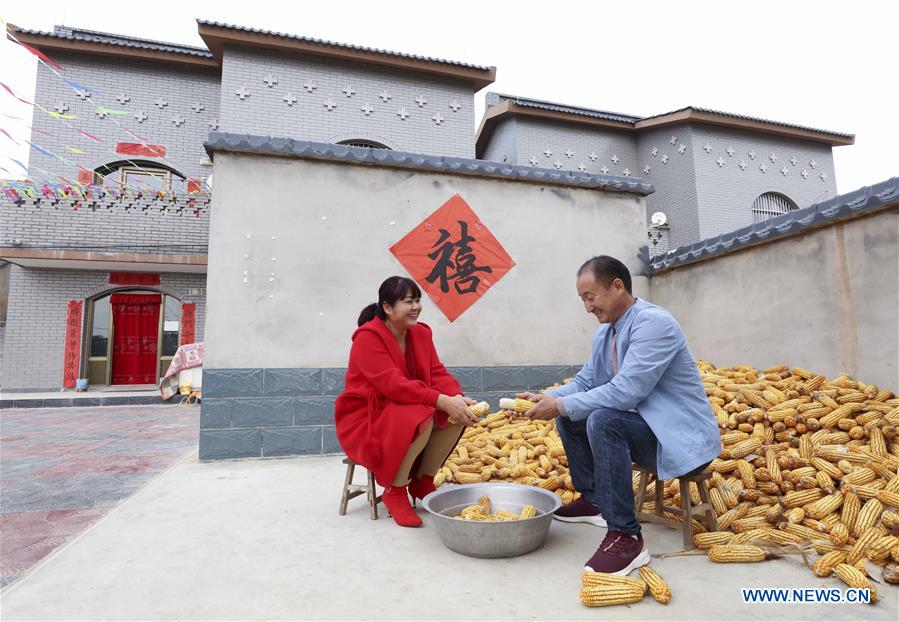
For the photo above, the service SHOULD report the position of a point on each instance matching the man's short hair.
(606, 269)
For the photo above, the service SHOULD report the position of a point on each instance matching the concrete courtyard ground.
(260, 539)
(62, 469)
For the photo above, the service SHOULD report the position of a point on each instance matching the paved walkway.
(261, 540)
(63, 469)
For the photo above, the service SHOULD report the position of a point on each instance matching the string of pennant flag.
(65, 119)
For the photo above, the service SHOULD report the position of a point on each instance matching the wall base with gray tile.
(268, 412)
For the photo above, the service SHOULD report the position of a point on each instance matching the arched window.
(362, 142)
(140, 174)
(771, 204)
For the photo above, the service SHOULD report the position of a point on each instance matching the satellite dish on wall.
(659, 219)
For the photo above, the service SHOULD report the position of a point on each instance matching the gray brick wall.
(34, 341)
(265, 413)
(595, 149)
(150, 226)
(671, 171)
(725, 193)
(144, 82)
(265, 112)
(503, 145)
(696, 169)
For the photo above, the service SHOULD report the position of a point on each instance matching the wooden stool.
(703, 512)
(351, 490)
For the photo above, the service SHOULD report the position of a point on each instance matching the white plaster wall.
(826, 301)
(333, 224)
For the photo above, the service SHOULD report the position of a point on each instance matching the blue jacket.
(657, 378)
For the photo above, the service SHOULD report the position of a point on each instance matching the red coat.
(384, 402)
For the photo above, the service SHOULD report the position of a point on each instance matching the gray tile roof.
(586, 112)
(346, 46)
(105, 38)
(223, 141)
(633, 120)
(748, 118)
(850, 205)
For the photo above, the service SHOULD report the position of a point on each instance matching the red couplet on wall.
(85, 176)
(138, 149)
(73, 343)
(453, 257)
(133, 278)
(188, 322)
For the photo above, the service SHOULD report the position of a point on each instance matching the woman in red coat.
(393, 416)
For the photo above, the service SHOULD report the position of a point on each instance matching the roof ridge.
(338, 44)
(95, 36)
(737, 115)
(75, 31)
(561, 105)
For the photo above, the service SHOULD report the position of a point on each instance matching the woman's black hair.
(392, 289)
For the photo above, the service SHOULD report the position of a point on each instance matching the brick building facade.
(139, 97)
(709, 168)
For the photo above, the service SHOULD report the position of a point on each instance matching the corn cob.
(800, 498)
(611, 595)
(861, 546)
(745, 537)
(826, 546)
(890, 520)
(801, 531)
(518, 405)
(868, 516)
(657, 585)
(480, 409)
(880, 550)
(839, 534)
(860, 476)
(467, 478)
(824, 506)
(887, 497)
(827, 562)
(851, 508)
(744, 448)
(598, 580)
(855, 578)
(528, 511)
(711, 538)
(736, 553)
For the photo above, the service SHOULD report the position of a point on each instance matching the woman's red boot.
(396, 500)
(421, 487)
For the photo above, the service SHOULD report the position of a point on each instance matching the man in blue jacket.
(638, 399)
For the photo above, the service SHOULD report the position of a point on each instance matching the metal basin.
(492, 539)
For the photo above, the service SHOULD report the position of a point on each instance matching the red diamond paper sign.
(453, 257)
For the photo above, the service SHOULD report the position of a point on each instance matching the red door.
(135, 321)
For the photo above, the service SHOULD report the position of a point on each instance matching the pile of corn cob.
(503, 447)
(601, 590)
(482, 511)
(806, 462)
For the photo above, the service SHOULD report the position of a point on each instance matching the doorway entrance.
(132, 336)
